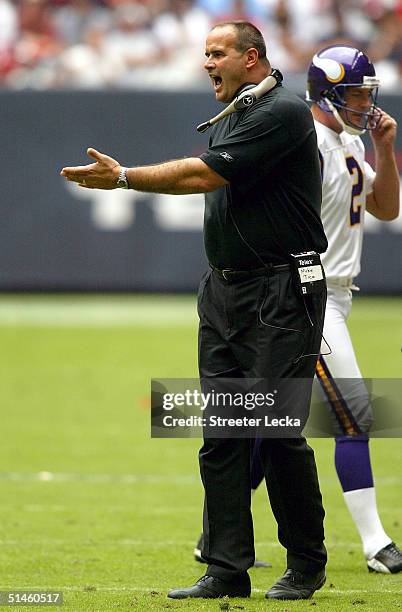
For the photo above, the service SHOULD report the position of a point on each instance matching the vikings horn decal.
(334, 71)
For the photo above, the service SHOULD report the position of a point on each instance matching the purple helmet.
(334, 69)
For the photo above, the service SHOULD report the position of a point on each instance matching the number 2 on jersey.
(357, 175)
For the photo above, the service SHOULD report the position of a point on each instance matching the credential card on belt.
(310, 274)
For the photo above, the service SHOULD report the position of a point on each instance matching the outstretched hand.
(102, 174)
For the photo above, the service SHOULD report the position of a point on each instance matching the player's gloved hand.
(103, 174)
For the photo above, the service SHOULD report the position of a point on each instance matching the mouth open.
(216, 81)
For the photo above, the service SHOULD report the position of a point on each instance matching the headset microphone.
(245, 99)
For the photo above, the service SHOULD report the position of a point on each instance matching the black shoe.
(295, 585)
(210, 587)
(387, 561)
(198, 556)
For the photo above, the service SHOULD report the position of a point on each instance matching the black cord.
(241, 235)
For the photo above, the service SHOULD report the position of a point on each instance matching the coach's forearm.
(181, 176)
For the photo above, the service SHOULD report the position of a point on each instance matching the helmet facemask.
(334, 101)
(331, 71)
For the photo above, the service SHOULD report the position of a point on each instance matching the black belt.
(244, 274)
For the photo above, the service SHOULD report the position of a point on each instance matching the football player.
(342, 86)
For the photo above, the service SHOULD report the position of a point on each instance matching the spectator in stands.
(9, 24)
(73, 20)
(285, 49)
(134, 44)
(157, 43)
(386, 45)
(181, 31)
(87, 65)
(296, 29)
(8, 36)
(37, 47)
(238, 10)
(254, 9)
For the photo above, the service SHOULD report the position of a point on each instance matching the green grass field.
(90, 505)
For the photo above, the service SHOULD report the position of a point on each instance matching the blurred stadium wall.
(56, 236)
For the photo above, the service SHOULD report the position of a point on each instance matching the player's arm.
(181, 176)
(383, 202)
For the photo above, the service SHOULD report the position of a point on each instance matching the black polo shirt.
(269, 155)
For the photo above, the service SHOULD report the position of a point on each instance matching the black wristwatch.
(122, 181)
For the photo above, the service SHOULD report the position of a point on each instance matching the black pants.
(259, 328)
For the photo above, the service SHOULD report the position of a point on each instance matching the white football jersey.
(347, 179)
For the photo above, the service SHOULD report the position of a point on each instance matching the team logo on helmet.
(334, 71)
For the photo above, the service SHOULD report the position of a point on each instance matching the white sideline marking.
(98, 478)
(104, 544)
(185, 479)
(149, 543)
(112, 311)
(165, 510)
(98, 311)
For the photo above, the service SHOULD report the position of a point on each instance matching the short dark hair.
(248, 36)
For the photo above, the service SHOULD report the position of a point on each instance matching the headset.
(246, 99)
